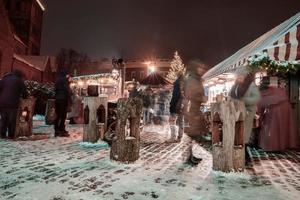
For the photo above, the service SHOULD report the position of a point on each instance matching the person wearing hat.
(245, 90)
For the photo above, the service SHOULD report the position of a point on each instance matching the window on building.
(133, 75)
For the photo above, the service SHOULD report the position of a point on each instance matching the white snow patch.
(98, 145)
(38, 117)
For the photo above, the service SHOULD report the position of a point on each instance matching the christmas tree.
(177, 67)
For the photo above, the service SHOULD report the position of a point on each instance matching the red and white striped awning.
(282, 43)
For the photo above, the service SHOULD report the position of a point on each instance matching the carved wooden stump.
(228, 135)
(126, 143)
(24, 118)
(50, 112)
(95, 113)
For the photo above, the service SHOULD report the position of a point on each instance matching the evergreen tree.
(177, 67)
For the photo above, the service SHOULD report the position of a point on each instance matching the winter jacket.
(11, 89)
(175, 97)
(62, 89)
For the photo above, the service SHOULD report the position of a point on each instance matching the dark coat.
(12, 88)
(176, 95)
(62, 89)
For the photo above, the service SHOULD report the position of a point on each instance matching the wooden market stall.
(277, 52)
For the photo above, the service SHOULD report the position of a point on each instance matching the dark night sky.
(209, 30)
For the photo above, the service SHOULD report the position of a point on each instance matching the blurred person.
(195, 94)
(12, 87)
(76, 114)
(177, 107)
(146, 105)
(244, 89)
(193, 91)
(62, 103)
(277, 131)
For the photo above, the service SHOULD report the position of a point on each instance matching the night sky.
(209, 30)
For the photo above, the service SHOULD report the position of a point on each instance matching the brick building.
(136, 69)
(6, 41)
(26, 17)
(139, 69)
(20, 45)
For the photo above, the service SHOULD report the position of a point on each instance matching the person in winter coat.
(177, 105)
(12, 87)
(195, 94)
(277, 131)
(62, 103)
(192, 90)
(146, 105)
(245, 90)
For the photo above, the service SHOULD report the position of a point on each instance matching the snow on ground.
(65, 168)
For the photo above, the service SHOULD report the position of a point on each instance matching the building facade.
(6, 42)
(136, 69)
(26, 17)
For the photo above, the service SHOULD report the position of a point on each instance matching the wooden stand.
(50, 112)
(228, 135)
(126, 144)
(97, 115)
(24, 118)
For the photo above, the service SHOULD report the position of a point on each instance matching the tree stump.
(24, 118)
(50, 112)
(126, 143)
(228, 135)
(95, 111)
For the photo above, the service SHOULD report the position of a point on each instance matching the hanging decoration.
(263, 62)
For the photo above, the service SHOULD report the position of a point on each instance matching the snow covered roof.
(39, 62)
(21, 59)
(280, 43)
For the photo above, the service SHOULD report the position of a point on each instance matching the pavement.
(64, 168)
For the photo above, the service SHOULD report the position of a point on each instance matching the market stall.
(107, 83)
(276, 53)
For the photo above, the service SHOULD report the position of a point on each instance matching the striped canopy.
(282, 43)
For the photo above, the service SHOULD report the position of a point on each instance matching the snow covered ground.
(66, 168)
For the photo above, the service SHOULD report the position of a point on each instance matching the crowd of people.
(276, 128)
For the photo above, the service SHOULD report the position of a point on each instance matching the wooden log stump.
(95, 111)
(24, 118)
(228, 135)
(50, 112)
(126, 143)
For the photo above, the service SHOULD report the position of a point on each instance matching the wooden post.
(228, 135)
(91, 127)
(24, 117)
(125, 148)
(50, 112)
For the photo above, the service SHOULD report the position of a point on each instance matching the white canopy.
(282, 43)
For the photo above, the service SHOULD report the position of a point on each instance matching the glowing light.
(115, 72)
(230, 76)
(80, 83)
(147, 63)
(41, 5)
(152, 69)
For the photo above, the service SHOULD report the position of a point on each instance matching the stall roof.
(280, 43)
